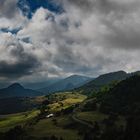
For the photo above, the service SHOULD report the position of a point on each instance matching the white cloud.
(83, 40)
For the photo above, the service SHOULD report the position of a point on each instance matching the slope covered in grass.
(65, 100)
(10, 121)
(47, 127)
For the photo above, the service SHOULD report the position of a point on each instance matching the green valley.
(105, 114)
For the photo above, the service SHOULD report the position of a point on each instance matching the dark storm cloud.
(74, 61)
(24, 65)
(120, 17)
(125, 39)
(82, 3)
(66, 59)
(90, 37)
(8, 8)
(90, 5)
(106, 5)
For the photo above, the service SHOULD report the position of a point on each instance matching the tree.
(53, 137)
(46, 102)
(61, 138)
(42, 109)
(16, 133)
(54, 121)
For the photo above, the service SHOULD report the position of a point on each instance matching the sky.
(41, 39)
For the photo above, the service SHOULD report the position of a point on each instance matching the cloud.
(76, 43)
(16, 61)
(10, 15)
(8, 8)
(119, 21)
(91, 37)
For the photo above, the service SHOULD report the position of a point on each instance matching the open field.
(91, 116)
(65, 100)
(47, 127)
(10, 121)
(61, 127)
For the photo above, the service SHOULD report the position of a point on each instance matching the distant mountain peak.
(69, 83)
(17, 90)
(16, 86)
(77, 76)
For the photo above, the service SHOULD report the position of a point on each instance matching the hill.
(103, 80)
(19, 104)
(66, 84)
(124, 98)
(15, 105)
(16, 90)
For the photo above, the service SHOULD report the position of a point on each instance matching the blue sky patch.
(13, 31)
(28, 7)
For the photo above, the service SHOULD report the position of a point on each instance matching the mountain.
(16, 90)
(109, 77)
(15, 105)
(121, 107)
(103, 80)
(40, 85)
(124, 98)
(66, 84)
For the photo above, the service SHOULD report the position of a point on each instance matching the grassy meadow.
(12, 120)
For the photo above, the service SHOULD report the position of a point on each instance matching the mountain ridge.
(17, 90)
(124, 97)
(69, 83)
(105, 79)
